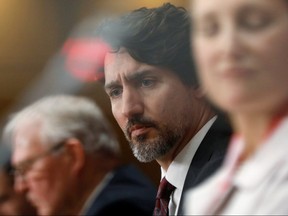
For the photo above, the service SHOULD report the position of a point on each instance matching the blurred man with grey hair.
(11, 202)
(66, 160)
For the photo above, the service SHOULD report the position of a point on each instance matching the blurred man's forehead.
(27, 143)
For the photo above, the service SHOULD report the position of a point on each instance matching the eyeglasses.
(21, 169)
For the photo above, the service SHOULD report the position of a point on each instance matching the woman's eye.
(207, 28)
(255, 21)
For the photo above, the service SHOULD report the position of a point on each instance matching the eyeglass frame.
(22, 169)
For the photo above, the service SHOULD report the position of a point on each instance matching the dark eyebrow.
(111, 85)
(138, 75)
(135, 76)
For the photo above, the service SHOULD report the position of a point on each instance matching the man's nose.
(132, 103)
(20, 184)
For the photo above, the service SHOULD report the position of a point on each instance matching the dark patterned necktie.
(163, 198)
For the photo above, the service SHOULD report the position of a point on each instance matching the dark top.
(208, 157)
(129, 192)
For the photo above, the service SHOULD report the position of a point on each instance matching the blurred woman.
(241, 51)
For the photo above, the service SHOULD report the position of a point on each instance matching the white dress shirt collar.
(178, 169)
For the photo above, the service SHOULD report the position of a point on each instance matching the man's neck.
(167, 159)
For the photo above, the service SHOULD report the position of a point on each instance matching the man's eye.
(115, 92)
(147, 82)
(19, 171)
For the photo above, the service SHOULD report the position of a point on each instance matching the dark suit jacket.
(129, 192)
(209, 156)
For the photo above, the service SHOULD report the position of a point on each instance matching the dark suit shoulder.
(211, 152)
(209, 155)
(129, 192)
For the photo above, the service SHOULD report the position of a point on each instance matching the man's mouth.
(138, 129)
(32, 200)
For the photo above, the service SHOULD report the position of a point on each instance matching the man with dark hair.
(155, 98)
(156, 36)
(150, 78)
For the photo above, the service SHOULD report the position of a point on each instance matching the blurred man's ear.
(76, 153)
(198, 92)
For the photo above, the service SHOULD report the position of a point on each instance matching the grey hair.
(66, 116)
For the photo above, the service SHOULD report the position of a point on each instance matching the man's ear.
(76, 154)
(199, 92)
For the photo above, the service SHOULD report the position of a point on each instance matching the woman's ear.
(76, 153)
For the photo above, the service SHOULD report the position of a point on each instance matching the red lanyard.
(274, 123)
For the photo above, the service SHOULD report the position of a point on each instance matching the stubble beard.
(147, 149)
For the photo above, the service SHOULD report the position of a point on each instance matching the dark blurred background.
(31, 34)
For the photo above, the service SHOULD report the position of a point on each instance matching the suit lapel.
(208, 157)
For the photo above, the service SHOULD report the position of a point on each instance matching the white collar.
(179, 167)
(271, 154)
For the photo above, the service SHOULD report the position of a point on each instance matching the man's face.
(43, 180)
(151, 105)
(12, 203)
